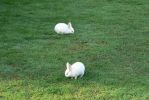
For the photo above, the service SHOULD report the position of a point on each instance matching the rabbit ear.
(69, 24)
(68, 65)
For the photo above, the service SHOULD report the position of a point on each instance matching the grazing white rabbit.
(75, 70)
(62, 28)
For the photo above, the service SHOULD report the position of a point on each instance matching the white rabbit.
(75, 70)
(62, 28)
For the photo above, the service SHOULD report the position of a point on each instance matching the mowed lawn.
(111, 38)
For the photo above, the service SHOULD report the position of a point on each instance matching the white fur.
(75, 70)
(62, 28)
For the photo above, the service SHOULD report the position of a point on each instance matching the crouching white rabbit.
(62, 28)
(75, 70)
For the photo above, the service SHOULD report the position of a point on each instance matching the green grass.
(111, 38)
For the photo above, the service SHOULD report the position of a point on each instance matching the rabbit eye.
(67, 73)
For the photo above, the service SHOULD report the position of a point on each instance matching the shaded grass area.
(111, 38)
